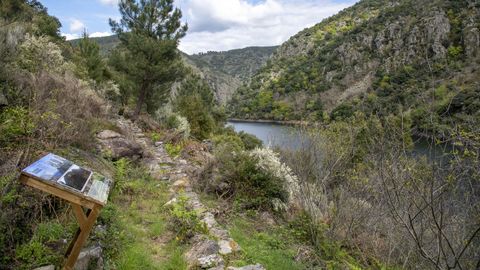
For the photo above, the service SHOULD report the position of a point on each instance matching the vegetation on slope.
(239, 63)
(350, 198)
(378, 57)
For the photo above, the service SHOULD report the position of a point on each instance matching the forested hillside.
(107, 44)
(378, 57)
(239, 63)
(226, 71)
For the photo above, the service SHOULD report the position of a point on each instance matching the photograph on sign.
(99, 188)
(51, 167)
(76, 177)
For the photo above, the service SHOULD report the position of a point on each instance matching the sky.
(214, 25)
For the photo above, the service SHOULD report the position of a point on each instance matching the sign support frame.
(78, 203)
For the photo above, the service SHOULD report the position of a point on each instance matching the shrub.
(49, 231)
(250, 141)
(15, 125)
(173, 150)
(201, 121)
(155, 136)
(39, 53)
(250, 186)
(196, 102)
(342, 112)
(185, 221)
(183, 126)
(231, 141)
(37, 251)
(172, 121)
(455, 51)
(269, 161)
(34, 254)
(255, 188)
(129, 179)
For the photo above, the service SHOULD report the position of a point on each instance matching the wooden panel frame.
(78, 201)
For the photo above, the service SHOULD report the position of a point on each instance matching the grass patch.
(136, 256)
(143, 240)
(270, 248)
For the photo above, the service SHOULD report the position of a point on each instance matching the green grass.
(146, 243)
(176, 260)
(270, 247)
(136, 256)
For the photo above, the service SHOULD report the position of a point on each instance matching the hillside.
(223, 84)
(239, 63)
(377, 56)
(226, 71)
(223, 71)
(107, 43)
(388, 176)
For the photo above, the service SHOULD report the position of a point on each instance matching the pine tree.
(149, 32)
(89, 51)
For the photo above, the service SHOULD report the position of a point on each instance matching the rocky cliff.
(226, 71)
(391, 53)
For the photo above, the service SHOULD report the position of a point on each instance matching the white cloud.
(76, 25)
(229, 24)
(109, 2)
(100, 34)
(69, 36)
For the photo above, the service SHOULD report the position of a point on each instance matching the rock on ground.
(90, 259)
(116, 146)
(210, 261)
(201, 248)
(248, 267)
(48, 267)
(228, 246)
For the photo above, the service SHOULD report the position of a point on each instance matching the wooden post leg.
(80, 237)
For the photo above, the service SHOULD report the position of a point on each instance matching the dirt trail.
(211, 250)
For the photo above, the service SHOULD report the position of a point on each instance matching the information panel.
(60, 171)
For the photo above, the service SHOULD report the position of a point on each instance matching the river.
(290, 137)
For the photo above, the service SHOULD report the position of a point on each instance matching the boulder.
(90, 259)
(210, 261)
(108, 134)
(48, 267)
(219, 233)
(220, 267)
(202, 247)
(209, 220)
(228, 246)
(116, 146)
(248, 267)
(181, 184)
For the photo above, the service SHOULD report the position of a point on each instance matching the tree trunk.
(140, 101)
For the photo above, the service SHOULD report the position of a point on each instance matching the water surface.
(290, 137)
(271, 134)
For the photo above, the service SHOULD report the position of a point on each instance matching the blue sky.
(214, 25)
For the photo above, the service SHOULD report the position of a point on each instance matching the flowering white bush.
(269, 161)
(38, 53)
(183, 126)
(163, 112)
(181, 123)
